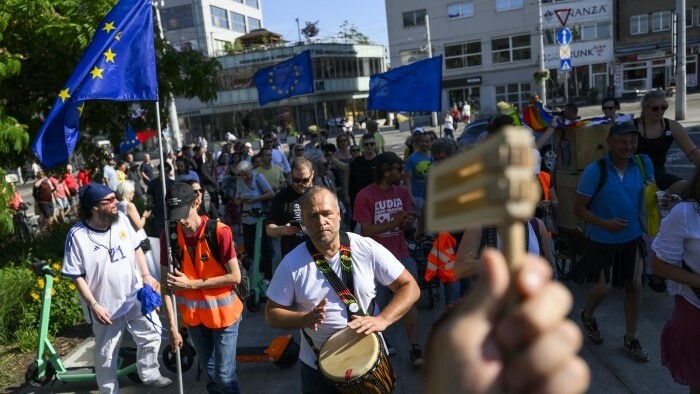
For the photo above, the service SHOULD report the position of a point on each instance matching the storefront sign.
(582, 53)
(473, 81)
(581, 11)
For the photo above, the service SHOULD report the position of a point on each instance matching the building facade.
(341, 81)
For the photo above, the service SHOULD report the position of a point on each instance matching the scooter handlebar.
(41, 268)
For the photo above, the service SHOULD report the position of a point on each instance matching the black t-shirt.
(361, 175)
(286, 207)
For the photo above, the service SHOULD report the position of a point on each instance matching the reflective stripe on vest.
(441, 259)
(214, 308)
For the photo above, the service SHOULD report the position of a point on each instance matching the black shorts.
(46, 209)
(664, 179)
(622, 258)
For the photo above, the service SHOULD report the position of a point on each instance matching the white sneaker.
(161, 382)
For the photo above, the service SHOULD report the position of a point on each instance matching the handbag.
(649, 214)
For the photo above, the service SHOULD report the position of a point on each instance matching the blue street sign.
(565, 65)
(564, 36)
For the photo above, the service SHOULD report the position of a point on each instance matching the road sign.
(564, 36)
(565, 65)
(563, 15)
(564, 52)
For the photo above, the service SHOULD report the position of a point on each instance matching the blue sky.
(369, 16)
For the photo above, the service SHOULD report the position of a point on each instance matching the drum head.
(348, 355)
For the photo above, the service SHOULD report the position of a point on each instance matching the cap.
(371, 122)
(418, 130)
(620, 128)
(92, 193)
(385, 160)
(11, 178)
(178, 200)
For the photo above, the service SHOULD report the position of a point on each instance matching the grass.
(6, 365)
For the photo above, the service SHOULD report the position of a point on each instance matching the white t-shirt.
(297, 279)
(679, 239)
(113, 277)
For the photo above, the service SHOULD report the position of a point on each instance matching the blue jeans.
(456, 290)
(216, 349)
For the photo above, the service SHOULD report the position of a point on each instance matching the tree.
(349, 33)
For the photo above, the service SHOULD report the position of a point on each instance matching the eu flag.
(119, 64)
(286, 79)
(415, 87)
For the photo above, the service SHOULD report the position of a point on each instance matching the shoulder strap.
(667, 126)
(175, 250)
(536, 229)
(642, 168)
(212, 240)
(603, 168)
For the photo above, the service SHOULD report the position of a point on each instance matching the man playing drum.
(320, 312)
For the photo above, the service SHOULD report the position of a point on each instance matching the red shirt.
(69, 181)
(83, 177)
(227, 251)
(373, 206)
(15, 201)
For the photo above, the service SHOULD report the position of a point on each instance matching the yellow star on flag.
(109, 55)
(109, 26)
(97, 72)
(81, 108)
(64, 94)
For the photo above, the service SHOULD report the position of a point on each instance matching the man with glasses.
(103, 256)
(383, 210)
(372, 129)
(360, 170)
(284, 219)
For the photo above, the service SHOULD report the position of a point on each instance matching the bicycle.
(20, 221)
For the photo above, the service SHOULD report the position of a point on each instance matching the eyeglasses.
(197, 191)
(107, 201)
(354, 150)
(301, 180)
(608, 108)
(368, 144)
(298, 150)
(658, 108)
(339, 141)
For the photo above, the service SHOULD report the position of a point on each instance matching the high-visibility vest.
(214, 308)
(545, 182)
(441, 260)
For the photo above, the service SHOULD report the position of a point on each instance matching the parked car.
(472, 131)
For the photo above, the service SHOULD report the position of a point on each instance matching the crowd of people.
(343, 210)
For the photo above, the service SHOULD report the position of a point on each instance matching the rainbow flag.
(537, 117)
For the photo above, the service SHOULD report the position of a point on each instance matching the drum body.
(357, 363)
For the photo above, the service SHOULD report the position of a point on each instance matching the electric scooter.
(48, 364)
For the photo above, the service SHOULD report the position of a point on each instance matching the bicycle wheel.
(564, 256)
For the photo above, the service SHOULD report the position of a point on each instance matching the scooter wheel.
(289, 356)
(251, 304)
(32, 375)
(187, 353)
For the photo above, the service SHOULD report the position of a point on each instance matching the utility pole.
(680, 61)
(173, 123)
(543, 81)
(298, 30)
(433, 115)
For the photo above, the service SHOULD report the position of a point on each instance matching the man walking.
(608, 199)
(103, 256)
(301, 296)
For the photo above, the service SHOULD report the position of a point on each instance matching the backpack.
(242, 289)
(603, 168)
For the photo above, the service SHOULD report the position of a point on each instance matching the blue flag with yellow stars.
(414, 87)
(119, 64)
(286, 79)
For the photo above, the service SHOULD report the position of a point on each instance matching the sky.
(368, 16)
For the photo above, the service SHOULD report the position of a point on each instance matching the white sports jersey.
(106, 259)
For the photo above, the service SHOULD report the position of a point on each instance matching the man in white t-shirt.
(103, 256)
(319, 311)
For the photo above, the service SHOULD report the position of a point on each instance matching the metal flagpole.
(163, 174)
(543, 81)
(433, 115)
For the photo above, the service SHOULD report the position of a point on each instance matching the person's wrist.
(93, 305)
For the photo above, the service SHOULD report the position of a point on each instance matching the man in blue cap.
(103, 256)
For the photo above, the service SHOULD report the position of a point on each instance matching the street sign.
(563, 15)
(565, 65)
(564, 36)
(564, 52)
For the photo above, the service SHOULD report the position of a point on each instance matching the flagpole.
(433, 115)
(170, 100)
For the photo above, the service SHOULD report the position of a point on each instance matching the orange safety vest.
(215, 308)
(441, 260)
(545, 182)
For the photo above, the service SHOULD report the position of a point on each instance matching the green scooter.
(258, 286)
(48, 364)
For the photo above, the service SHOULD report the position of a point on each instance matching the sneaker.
(389, 349)
(416, 354)
(590, 327)
(635, 350)
(160, 382)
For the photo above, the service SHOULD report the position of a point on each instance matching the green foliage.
(26, 339)
(46, 245)
(7, 361)
(349, 33)
(15, 285)
(189, 74)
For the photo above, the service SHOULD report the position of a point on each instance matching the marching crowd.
(334, 252)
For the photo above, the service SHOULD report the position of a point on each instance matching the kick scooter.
(258, 286)
(48, 364)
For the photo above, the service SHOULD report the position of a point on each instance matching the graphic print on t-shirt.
(296, 211)
(384, 212)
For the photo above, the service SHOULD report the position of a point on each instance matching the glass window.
(177, 17)
(414, 18)
(511, 49)
(639, 24)
(460, 10)
(412, 55)
(252, 3)
(634, 76)
(688, 17)
(219, 17)
(661, 21)
(254, 23)
(517, 94)
(238, 22)
(462, 55)
(505, 5)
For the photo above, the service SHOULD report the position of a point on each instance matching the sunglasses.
(354, 150)
(368, 144)
(341, 141)
(658, 108)
(107, 201)
(197, 191)
(608, 108)
(301, 180)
